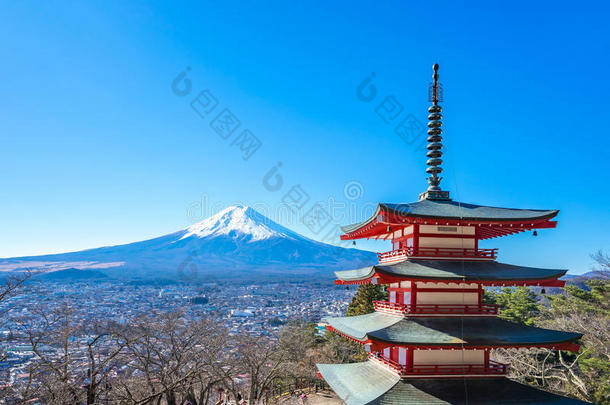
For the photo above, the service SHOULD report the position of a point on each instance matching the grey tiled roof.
(453, 270)
(456, 210)
(447, 331)
(358, 383)
(369, 384)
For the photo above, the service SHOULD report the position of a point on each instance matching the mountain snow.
(239, 222)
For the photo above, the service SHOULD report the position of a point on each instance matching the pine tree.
(362, 303)
(519, 305)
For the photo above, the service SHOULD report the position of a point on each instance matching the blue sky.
(97, 149)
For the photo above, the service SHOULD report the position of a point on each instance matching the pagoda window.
(409, 242)
(402, 356)
(398, 244)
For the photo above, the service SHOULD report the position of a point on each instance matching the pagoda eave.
(486, 273)
(368, 383)
(385, 221)
(385, 279)
(383, 330)
(376, 345)
(378, 230)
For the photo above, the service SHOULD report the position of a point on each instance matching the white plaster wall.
(459, 243)
(448, 298)
(448, 357)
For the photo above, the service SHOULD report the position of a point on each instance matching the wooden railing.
(434, 309)
(493, 368)
(394, 365)
(460, 369)
(438, 253)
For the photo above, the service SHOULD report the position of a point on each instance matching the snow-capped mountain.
(236, 242)
(239, 222)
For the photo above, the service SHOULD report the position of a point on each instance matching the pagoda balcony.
(421, 370)
(437, 254)
(393, 308)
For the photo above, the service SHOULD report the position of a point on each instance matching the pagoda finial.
(435, 84)
(435, 94)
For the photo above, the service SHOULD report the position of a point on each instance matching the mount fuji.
(236, 242)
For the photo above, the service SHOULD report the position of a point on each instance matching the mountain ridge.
(234, 242)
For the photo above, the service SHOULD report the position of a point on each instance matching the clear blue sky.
(96, 149)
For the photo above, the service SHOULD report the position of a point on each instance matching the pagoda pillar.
(415, 237)
(413, 295)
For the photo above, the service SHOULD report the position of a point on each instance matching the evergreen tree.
(519, 305)
(362, 303)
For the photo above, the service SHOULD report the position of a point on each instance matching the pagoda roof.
(368, 383)
(490, 272)
(446, 331)
(451, 212)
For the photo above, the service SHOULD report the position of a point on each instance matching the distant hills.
(580, 279)
(237, 242)
(72, 274)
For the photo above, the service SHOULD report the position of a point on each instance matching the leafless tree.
(602, 261)
(13, 283)
(303, 348)
(548, 369)
(171, 360)
(74, 360)
(261, 360)
(11, 286)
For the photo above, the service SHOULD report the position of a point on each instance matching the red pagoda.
(430, 343)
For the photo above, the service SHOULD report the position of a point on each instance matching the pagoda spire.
(435, 145)
(432, 339)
